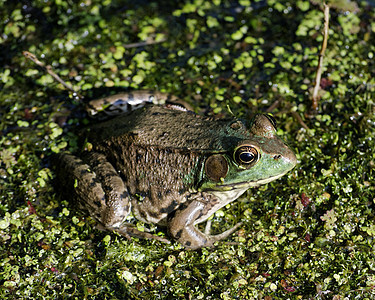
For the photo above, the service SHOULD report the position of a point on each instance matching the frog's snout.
(290, 158)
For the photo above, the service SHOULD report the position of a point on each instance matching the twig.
(49, 70)
(146, 43)
(315, 96)
(299, 119)
(273, 106)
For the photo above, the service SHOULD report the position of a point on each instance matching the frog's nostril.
(277, 156)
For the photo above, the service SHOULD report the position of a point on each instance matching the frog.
(168, 166)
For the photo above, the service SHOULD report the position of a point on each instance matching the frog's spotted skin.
(172, 167)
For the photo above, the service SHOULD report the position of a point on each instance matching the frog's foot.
(128, 231)
(182, 227)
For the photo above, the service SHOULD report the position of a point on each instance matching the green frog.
(168, 166)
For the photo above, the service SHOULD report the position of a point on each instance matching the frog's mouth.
(245, 184)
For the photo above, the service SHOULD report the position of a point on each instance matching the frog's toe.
(226, 233)
(193, 239)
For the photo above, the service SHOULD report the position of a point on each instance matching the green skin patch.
(265, 170)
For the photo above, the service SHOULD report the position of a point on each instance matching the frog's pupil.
(246, 157)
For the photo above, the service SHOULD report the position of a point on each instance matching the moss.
(309, 234)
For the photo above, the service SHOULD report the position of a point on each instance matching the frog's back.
(163, 127)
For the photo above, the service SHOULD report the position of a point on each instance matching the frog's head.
(259, 158)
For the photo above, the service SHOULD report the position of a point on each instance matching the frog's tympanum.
(171, 167)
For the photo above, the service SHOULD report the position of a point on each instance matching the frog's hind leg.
(116, 204)
(122, 103)
(96, 187)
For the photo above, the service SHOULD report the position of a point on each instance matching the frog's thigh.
(182, 227)
(116, 200)
(98, 188)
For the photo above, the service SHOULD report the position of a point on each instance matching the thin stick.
(315, 96)
(49, 70)
(299, 119)
(146, 43)
(273, 106)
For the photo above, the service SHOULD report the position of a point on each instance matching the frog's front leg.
(182, 227)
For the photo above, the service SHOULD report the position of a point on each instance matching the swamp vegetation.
(308, 235)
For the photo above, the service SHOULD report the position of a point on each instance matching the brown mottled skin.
(151, 162)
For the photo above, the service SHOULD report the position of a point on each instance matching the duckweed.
(307, 235)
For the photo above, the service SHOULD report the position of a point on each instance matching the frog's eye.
(246, 155)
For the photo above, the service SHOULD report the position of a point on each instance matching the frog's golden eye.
(246, 155)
